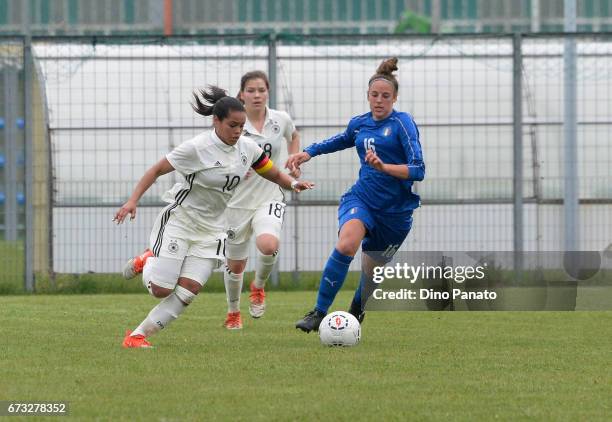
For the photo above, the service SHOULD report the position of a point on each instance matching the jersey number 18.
(276, 209)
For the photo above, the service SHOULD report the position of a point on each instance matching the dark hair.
(385, 71)
(215, 101)
(254, 74)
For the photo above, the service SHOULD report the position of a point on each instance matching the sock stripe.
(343, 259)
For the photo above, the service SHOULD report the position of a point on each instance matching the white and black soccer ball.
(340, 329)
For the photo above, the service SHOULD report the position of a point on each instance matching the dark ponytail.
(215, 101)
(385, 71)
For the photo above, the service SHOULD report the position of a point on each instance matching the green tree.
(413, 22)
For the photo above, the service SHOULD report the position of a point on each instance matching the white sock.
(265, 264)
(163, 314)
(233, 287)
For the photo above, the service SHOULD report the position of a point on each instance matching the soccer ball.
(340, 329)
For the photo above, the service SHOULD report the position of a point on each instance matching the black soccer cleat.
(356, 311)
(311, 321)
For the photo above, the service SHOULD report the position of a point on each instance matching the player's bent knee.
(268, 249)
(190, 285)
(347, 247)
(267, 244)
(157, 291)
(349, 241)
(235, 266)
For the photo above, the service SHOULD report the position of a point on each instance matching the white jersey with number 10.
(212, 172)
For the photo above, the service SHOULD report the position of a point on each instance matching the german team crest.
(386, 131)
(276, 128)
(173, 247)
(231, 234)
(243, 157)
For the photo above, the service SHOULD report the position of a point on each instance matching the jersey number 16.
(368, 143)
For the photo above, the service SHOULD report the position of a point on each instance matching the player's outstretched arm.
(296, 160)
(162, 167)
(293, 147)
(285, 181)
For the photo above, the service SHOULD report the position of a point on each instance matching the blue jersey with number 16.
(396, 141)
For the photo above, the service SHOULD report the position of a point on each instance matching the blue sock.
(358, 292)
(332, 279)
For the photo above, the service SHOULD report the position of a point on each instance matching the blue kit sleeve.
(338, 142)
(409, 135)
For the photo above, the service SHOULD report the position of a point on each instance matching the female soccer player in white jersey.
(258, 205)
(188, 238)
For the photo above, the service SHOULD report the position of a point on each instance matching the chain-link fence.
(105, 109)
(12, 159)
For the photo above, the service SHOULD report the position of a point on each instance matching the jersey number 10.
(231, 183)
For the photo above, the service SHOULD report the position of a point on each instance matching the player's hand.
(372, 159)
(302, 185)
(296, 160)
(248, 174)
(128, 208)
(295, 173)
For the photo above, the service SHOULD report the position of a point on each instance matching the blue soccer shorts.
(385, 234)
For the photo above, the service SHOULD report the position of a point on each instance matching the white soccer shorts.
(242, 224)
(181, 250)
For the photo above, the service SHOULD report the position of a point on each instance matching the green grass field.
(410, 365)
(112, 283)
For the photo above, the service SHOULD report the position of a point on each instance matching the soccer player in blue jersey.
(376, 212)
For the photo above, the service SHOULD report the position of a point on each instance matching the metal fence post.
(28, 68)
(295, 274)
(272, 69)
(570, 155)
(517, 112)
(274, 276)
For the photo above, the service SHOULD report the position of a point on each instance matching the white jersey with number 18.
(277, 131)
